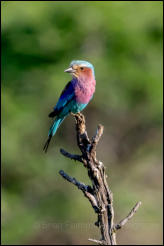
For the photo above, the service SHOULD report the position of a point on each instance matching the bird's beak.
(69, 70)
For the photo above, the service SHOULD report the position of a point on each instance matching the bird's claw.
(77, 114)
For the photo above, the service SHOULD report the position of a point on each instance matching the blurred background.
(123, 40)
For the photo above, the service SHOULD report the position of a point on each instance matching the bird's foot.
(73, 114)
(77, 114)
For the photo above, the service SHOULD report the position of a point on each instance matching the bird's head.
(80, 69)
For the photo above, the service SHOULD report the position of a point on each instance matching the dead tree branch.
(128, 217)
(99, 195)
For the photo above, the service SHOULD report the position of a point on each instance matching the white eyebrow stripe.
(82, 65)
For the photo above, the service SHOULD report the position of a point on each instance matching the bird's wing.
(66, 96)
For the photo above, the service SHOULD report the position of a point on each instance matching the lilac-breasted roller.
(75, 96)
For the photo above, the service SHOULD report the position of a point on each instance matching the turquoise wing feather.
(66, 96)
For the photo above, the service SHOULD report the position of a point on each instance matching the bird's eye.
(81, 68)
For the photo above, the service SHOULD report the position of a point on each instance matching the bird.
(76, 95)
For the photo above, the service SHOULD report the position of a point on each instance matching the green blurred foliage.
(123, 40)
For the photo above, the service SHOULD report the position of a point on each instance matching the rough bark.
(99, 194)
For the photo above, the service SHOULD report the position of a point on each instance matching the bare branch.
(80, 123)
(71, 156)
(80, 185)
(99, 195)
(93, 201)
(82, 136)
(96, 137)
(128, 217)
(96, 241)
(86, 189)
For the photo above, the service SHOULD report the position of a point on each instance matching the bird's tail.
(52, 132)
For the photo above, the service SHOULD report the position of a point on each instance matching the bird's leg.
(77, 114)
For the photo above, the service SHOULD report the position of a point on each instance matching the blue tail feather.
(52, 131)
(55, 126)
